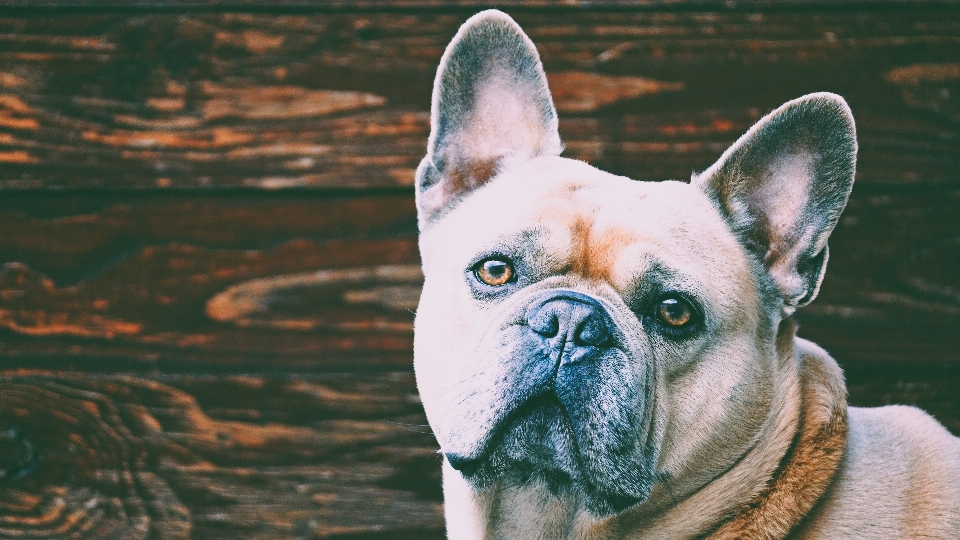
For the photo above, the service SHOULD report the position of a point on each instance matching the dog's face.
(595, 335)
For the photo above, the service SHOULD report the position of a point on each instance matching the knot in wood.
(72, 467)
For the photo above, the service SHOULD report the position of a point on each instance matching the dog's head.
(595, 334)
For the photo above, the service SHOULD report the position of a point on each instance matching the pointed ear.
(782, 187)
(491, 110)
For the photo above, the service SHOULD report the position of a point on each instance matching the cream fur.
(739, 430)
(900, 478)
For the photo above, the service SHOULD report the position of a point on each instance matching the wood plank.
(216, 458)
(891, 289)
(208, 242)
(130, 278)
(265, 101)
(932, 388)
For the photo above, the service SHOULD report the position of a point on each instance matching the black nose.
(568, 320)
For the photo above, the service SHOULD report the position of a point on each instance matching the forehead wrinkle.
(595, 245)
(604, 229)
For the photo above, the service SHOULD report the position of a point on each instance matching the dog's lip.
(600, 501)
(466, 466)
(479, 468)
(470, 465)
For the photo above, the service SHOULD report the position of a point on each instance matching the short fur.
(565, 408)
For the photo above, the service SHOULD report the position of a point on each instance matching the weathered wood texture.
(342, 456)
(208, 240)
(132, 279)
(213, 100)
(215, 457)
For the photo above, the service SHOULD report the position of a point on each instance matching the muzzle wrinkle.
(559, 397)
(499, 386)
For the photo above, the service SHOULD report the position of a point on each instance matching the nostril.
(544, 320)
(593, 331)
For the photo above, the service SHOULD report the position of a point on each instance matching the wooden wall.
(208, 240)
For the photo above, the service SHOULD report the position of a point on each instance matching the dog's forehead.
(558, 192)
(596, 218)
(572, 191)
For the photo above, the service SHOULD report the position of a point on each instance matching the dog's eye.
(674, 312)
(495, 272)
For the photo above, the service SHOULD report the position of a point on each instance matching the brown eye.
(674, 312)
(495, 272)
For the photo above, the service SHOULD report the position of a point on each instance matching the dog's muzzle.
(562, 395)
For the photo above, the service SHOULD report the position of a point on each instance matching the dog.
(602, 358)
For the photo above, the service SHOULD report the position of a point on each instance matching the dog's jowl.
(604, 358)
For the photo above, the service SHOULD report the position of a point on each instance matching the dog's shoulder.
(900, 478)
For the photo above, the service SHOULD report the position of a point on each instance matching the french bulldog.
(603, 358)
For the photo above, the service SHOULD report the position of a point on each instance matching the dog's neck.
(764, 495)
(810, 465)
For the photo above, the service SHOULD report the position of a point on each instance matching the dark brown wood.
(208, 238)
(134, 278)
(891, 290)
(315, 282)
(163, 100)
(476, 5)
(215, 457)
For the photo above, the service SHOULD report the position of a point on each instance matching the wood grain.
(215, 457)
(438, 5)
(131, 278)
(168, 100)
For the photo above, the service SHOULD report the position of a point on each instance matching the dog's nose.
(569, 320)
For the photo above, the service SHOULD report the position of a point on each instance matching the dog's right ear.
(491, 110)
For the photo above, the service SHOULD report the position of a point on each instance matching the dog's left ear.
(782, 187)
(491, 110)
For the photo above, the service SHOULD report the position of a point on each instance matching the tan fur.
(596, 251)
(900, 478)
(745, 484)
(811, 463)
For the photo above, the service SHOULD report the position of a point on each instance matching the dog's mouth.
(514, 441)
(536, 445)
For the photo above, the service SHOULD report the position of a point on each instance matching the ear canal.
(782, 186)
(491, 109)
